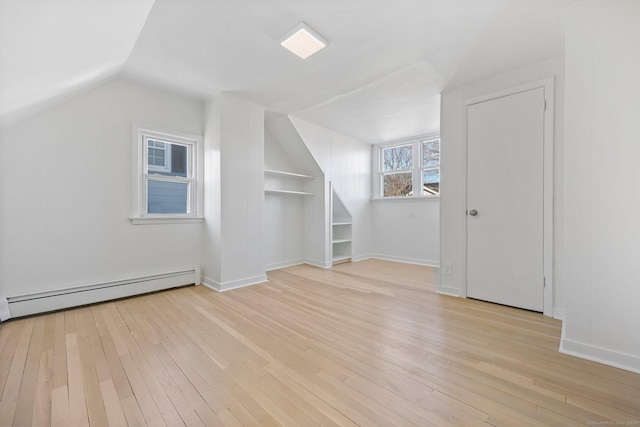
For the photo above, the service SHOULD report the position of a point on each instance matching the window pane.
(398, 158)
(165, 158)
(398, 184)
(431, 153)
(167, 197)
(178, 160)
(156, 157)
(431, 182)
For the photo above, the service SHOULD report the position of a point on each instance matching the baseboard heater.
(42, 302)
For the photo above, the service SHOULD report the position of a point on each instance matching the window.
(408, 165)
(430, 167)
(167, 176)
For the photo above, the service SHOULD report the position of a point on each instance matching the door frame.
(548, 85)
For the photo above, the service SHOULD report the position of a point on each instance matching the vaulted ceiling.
(378, 80)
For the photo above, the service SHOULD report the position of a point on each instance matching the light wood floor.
(367, 344)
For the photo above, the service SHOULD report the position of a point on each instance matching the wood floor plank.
(9, 399)
(27, 394)
(42, 399)
(77, 398)
(10, 333)
(141, 392)
(60, 407)
(95, 404)
(149, 376)
(59, 352)
(112, 405)
(132, 412)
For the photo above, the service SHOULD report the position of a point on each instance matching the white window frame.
(143, 172)
(417, 170)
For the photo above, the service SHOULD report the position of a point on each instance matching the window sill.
(147, 220)
(405, 199)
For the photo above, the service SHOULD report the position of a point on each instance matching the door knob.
(473, 212)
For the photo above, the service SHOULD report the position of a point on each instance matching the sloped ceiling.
(51, 48)
(378, 80)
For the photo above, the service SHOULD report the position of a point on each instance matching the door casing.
(548, 85)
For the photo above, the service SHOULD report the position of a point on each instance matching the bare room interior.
(301, 213)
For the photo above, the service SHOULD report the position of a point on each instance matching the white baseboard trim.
(284, 264)
(416, 261)
(628, 362)
(42, 302)
(448, 290)
(360, 257)
(234, 284)
(319, 264)
(558, 313)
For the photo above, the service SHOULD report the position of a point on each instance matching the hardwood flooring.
(367, 344)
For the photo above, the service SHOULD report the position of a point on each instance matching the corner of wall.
(234, 284)
(5, 313)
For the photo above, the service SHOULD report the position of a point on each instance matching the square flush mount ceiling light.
(303, 41)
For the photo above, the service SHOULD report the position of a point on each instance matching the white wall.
(234, 148)
(283, 213)
(66, 190)
(407, 230)
(346, 162)
(212, 234)
(602, 176)
(453, 175)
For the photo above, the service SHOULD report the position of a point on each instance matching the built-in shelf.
(341, 222)
(283, 182)
(341, 241)
(340, 259)
(291, 174)
(298, 193)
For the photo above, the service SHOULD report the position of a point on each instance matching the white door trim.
(548, 85)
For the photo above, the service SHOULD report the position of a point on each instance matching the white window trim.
(195, 165)
(378, 173)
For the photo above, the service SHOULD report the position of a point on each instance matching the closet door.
(505, 216)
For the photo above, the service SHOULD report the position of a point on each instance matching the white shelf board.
(291, 174)
(341, 241)
(342, 223)
(341, 258)
(297, 193)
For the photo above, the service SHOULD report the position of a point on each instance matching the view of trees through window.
(399, 164)
(431, 167)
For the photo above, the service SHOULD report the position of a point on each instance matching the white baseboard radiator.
(42, 302)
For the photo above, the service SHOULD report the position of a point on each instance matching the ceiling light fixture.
(303, 41)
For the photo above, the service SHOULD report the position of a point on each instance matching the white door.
(505, 211)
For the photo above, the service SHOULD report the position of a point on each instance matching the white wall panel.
(602, 231)
(241, 163)
(211, 240)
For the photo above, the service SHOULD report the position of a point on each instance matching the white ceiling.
(378, 80)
